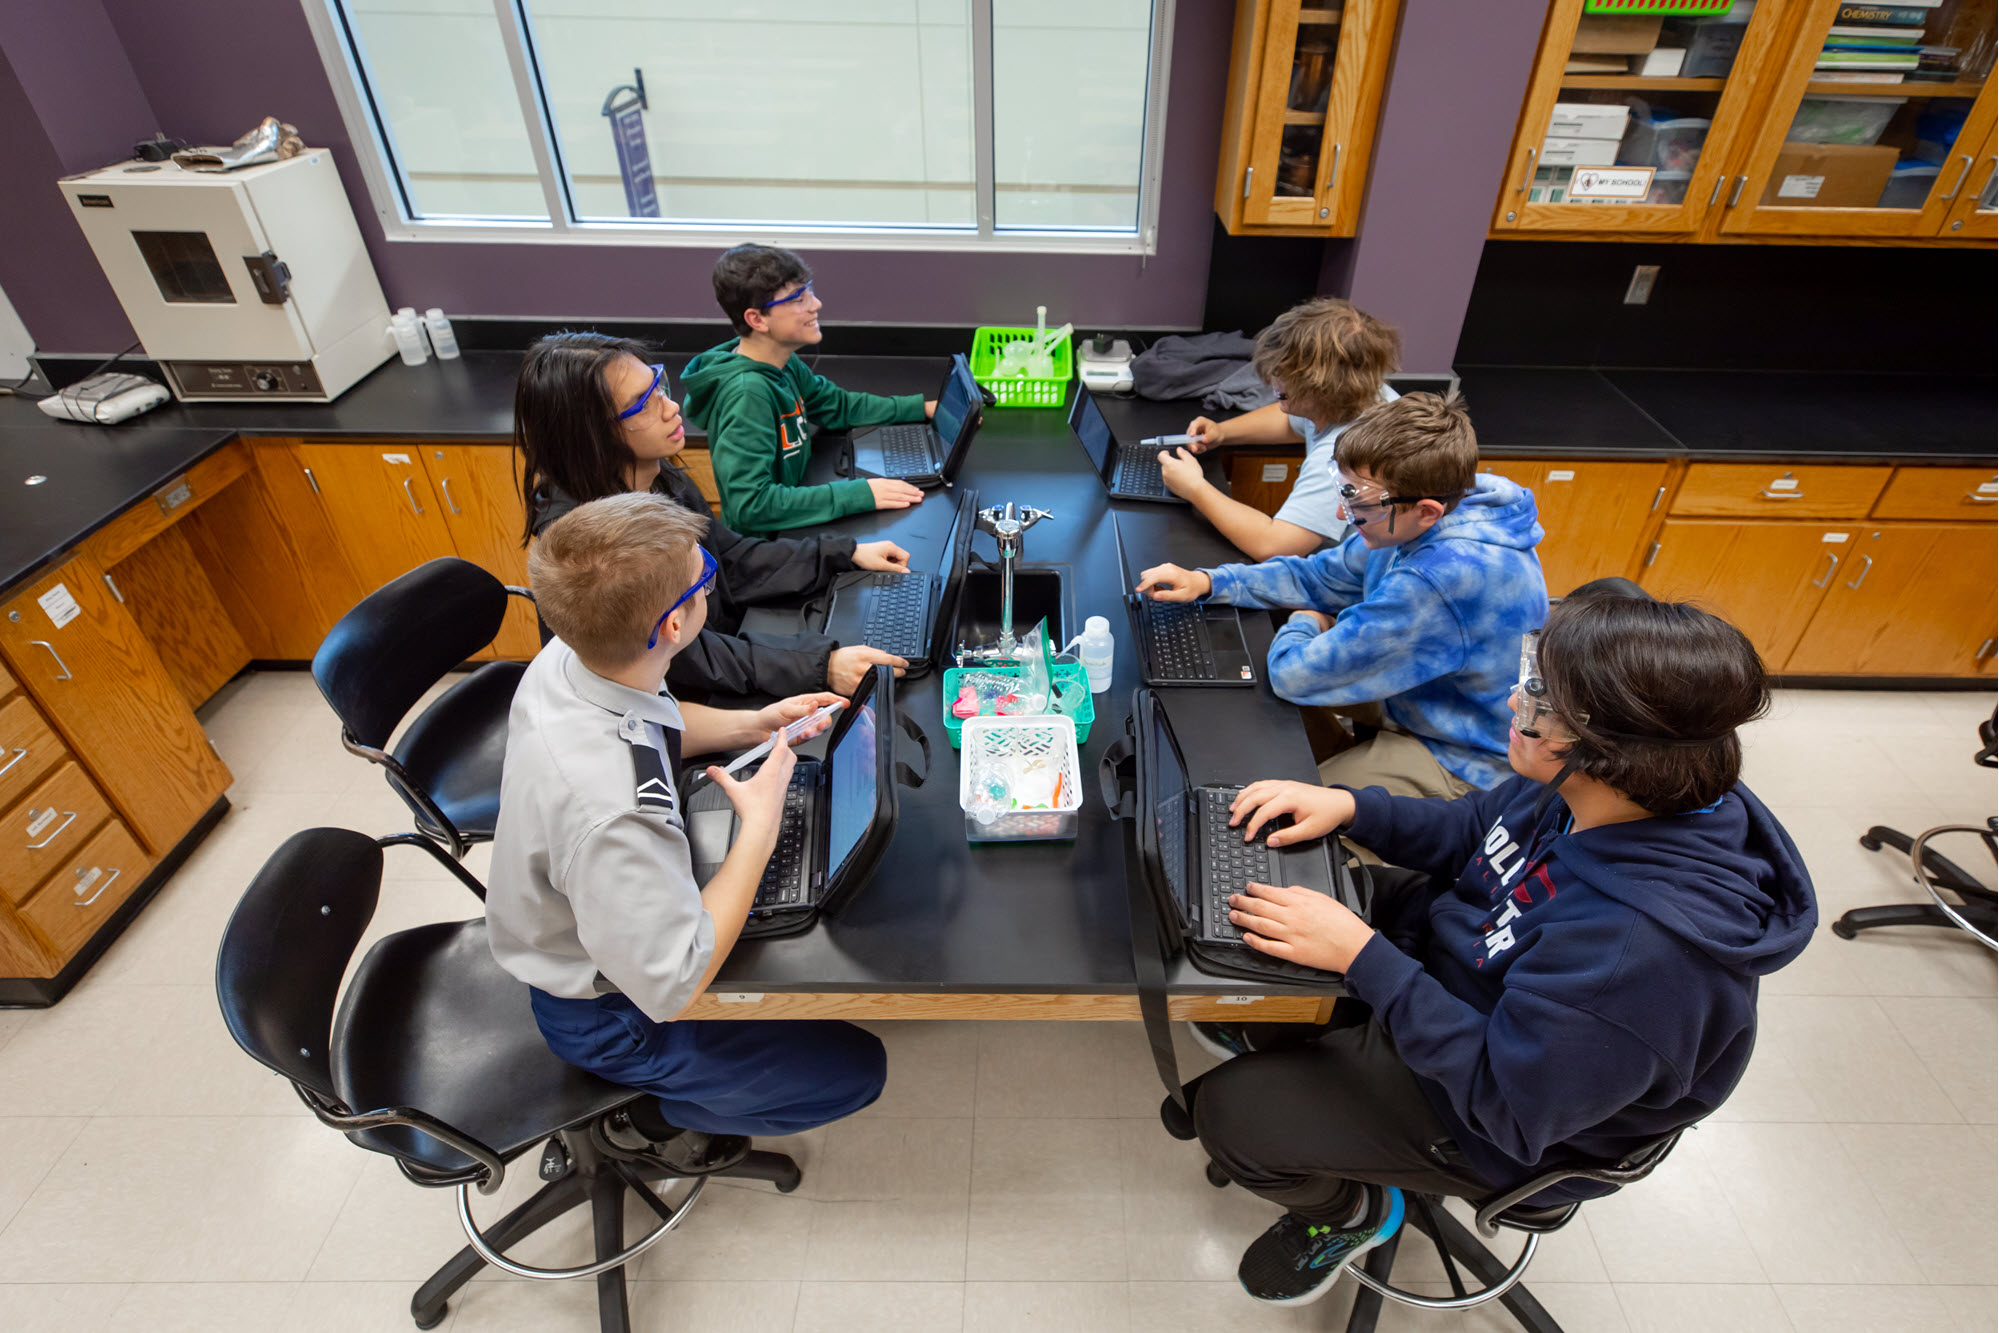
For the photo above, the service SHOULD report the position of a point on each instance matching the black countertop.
(93, 473)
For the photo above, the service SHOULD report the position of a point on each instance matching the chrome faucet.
(1008, 527)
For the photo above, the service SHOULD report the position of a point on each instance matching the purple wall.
(73, 69)
(1461, 70)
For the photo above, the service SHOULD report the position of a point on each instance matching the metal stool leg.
(1481, 1261)
(550, 1202)
(607, 1216)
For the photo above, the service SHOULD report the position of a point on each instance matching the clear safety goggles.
(1533, 713)
(1366, 503)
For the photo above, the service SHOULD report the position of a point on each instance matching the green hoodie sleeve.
(835, 408)
(744, 449)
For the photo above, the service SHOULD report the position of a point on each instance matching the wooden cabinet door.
(477, 486)
(1976, 207)
(1911, 600)
(381, 507)
(98, 680)
(1592, 514)
(1263, 478)
(1766, 579)
(1820, 164)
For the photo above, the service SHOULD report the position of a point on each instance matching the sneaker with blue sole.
(1296, 1261)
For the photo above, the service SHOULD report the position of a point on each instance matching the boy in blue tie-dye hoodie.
(1420, 610)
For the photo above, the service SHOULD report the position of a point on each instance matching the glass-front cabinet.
(1631, 117)
(1876, 126)
(1976, 209)
(1305, 82)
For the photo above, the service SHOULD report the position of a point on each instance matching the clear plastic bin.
(1669, 187)
(1909, 185)
(1047, 741)
(1670, 145)
(1857, 121)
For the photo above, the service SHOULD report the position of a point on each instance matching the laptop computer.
(1128, 471)
(927, 453)
(839, 815)
(1184, 643)
(1199, 861)
(906, 614)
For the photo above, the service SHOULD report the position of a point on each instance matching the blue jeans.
(729, 1077)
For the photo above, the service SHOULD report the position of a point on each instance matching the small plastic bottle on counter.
(409, 337)
(442, 339)
(1094, 649)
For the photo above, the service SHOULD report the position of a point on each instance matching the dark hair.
(1420, 444)
(1330, 356)
(751, 275)
(565, 424)
(1664, 685)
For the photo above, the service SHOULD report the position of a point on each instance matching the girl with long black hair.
(592, 417)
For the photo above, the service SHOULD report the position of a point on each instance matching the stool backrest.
(285, 949)
(401, 639)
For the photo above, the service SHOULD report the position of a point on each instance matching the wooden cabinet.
(90, 671)
(1940, 492)
(1777, 490)
(46, 827)
(1784, 139)
(1262, 478)
(480, 493)
(1593, 514)
(68, 909)
(1764, 577)
(1911, 599)
(28, 748)
(1305, 84)
(379, 503)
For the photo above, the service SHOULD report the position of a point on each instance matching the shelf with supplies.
(1813, 121)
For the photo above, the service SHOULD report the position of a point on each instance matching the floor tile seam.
(333, 1222)
(1631, 1320)
(1920, 1063)
(1880, 1210)
(1733, 1214)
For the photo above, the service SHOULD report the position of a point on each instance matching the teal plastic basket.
(954, 725)
(1020, 390)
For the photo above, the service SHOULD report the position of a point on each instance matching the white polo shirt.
(1314, 503)
(592, 888)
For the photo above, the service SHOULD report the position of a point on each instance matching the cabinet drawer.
(1940, 492)
(1774, 490)
(44, 829)
(82, 895)
(28, 749)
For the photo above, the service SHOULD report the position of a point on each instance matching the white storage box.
(1588, 120)
(1036, 754)
(1670, 145)
(1579, 152)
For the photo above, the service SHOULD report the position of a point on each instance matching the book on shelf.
(1864, 60)
(1857, 76)
(1863, 32)
(1597, 65)
(1910, 11)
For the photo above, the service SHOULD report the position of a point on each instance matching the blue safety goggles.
(707, 580)
(658, 385)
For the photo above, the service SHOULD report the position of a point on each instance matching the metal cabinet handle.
(1821, 582)
(1986, 649)
(1735, 195)
(1972, 496)
(1715, 194)
(85, 902)
(311, 480)
(1527, 176)
(1962, 172)
(415, 508)
(109, 583)
(445, 486)
(19, 755)
(1865, 569)
(1333, 171)
(44, 643)
(1248, 173)
(1769, 494)
(37, 846)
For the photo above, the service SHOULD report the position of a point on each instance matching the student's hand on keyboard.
(883, 557)
(893, 494)
(1320, 619)
(787, 711)
(1181, 472)
(930, 408)
(759, 802)
(846, 667)
(1170, 583)
(1207, 434)
(1299, 926)
(1315, 811)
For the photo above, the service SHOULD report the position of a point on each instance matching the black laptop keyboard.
(1232, 863)
(1138, 472)
(783, 884)
(894, 621)
(1175, 634)
(906, 450)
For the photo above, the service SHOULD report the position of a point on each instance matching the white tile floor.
(1014, 1176)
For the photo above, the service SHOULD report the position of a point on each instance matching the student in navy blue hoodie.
(1565, 970)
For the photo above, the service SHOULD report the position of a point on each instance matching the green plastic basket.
(1682, 8)
(1020, 390)
(954, 725)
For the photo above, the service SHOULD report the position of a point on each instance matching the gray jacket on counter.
(722, 660)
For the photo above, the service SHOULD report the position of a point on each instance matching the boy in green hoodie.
(754, 398)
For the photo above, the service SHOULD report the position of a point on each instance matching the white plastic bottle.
(1095, 648)
(409, 337)
(442, 340)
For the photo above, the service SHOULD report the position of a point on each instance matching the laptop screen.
(954, 404)
(853, 791)
(1088, 422)
(1169, 812)
(952, 571)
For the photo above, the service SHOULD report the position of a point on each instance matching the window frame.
(374, 150)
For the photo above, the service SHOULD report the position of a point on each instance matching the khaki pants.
(1394, 760)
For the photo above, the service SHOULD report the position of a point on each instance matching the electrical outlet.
(1640, 290)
